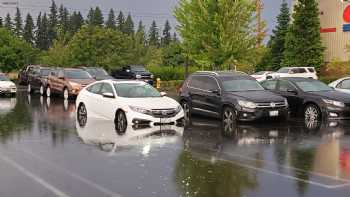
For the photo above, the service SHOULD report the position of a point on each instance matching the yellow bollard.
(158, 83)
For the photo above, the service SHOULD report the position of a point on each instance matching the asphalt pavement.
(44, 152)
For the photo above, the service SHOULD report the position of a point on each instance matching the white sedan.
(127, 103)
(261, 76)
(342, 85)
(6, 85)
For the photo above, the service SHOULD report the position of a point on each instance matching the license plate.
(274, 113)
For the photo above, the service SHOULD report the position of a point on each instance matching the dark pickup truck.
(137, 72)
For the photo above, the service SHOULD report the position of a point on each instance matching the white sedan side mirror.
(163, 93)
(108, 95)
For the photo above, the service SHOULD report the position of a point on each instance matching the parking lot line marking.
(74, 175)
(31, 175)
(290, 167)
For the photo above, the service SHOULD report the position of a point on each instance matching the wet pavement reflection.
(45, 151)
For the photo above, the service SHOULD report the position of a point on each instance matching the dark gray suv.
(231, 96)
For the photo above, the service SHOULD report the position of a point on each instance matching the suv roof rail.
(207, 72)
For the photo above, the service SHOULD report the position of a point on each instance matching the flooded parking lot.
(44, 151)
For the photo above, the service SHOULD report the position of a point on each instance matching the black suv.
(137, 72)
(311, 99)
(230, 96)
(37, 79)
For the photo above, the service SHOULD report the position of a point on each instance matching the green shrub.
(168, 73)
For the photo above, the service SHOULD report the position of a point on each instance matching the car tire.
(229, 121)
(120, 122)
(48, 91)
(312, 113)
(187, 111)
(42, 90)
(29, 89)
(65, 94)
(82, 115)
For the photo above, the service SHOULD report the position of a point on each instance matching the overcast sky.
(145, 10)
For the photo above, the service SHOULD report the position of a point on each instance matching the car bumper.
(337, 113)
(255, 114)
(8, 91)
(135, 118)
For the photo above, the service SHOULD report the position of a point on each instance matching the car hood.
(153, 103)
(334, 95)
(7, 84)
(82, 81)
(257, 96)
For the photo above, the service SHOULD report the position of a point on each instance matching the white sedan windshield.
(136, 90)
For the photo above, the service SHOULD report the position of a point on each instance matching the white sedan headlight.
(247, 104)
(140, 110)
(335, 103)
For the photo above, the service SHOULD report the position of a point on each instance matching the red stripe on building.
(328, 30)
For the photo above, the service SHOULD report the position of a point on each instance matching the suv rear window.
(311, 70)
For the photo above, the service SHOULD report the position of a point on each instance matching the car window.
(95, 88)
(284, 86)
(106, 88)
(283, 70)
(136, 90)
(344, 84)
(76, 74)
(4, 78)
(210, 83)
(240, 85)
(311, 70)
(313, 86)
(197, 82)
(269, 85)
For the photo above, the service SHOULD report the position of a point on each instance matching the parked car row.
(68, 82)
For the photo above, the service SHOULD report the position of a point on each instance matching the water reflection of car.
(97, 73)
(7, 105)
(128, 103)
(7, 87)
(37, 79)
(103, 134)
(68, 82)
(311, 99)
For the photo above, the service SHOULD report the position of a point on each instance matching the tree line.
(59, 29)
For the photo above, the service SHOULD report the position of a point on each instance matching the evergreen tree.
(278, 38)
(90, 17)
(76, 21)
(98, 17)
(53, 22)
(153, 35)
(38, 31)
(42, 33)
(8, 22)
(166, 39)
(63, 19)
(129, 26)
(18, 23)
(111, 23)
(1, 23)
(303, 41)
(28, 33)
(141, 34)
(120, 21)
